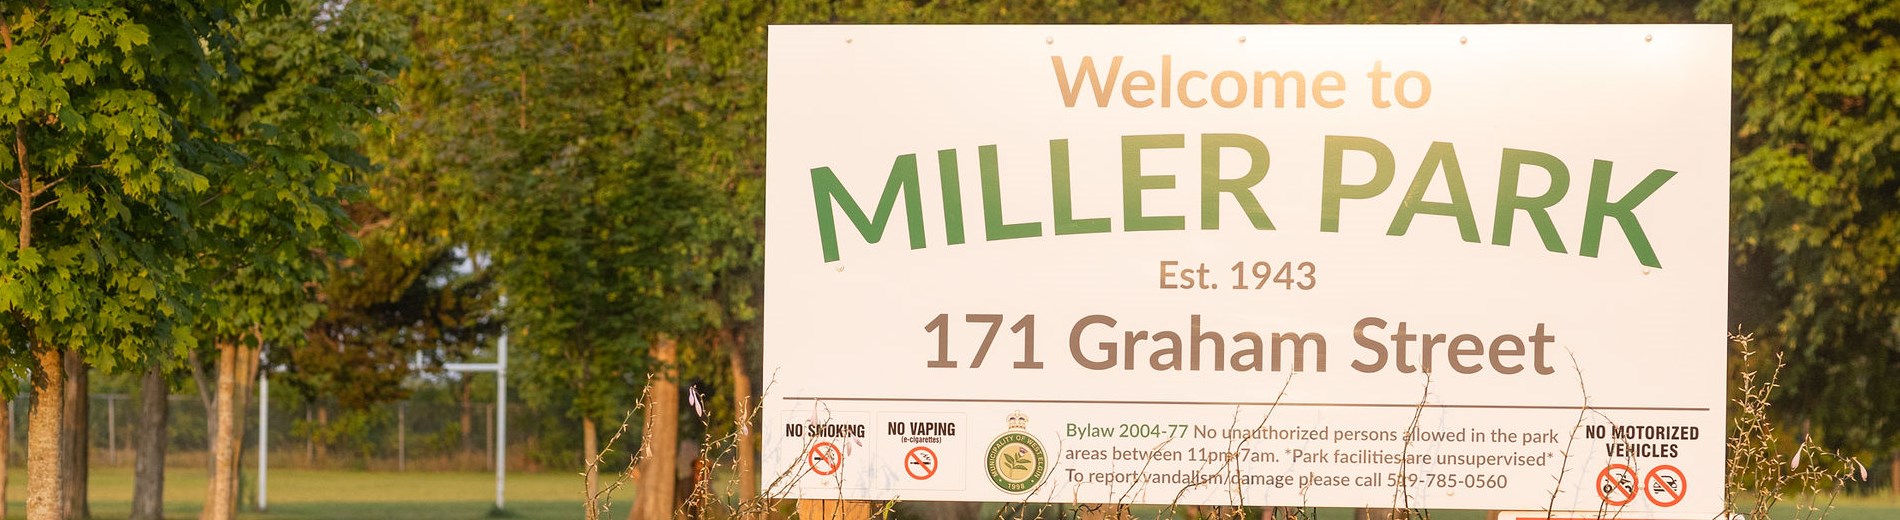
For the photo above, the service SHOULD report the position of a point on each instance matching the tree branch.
(367, 227)
(26, 179)
(198, 375)
(6, 32)
(36, 209)
(19, 155)
(47, 186)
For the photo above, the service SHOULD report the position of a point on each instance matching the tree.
(384, 309)
(523, 179)
(404, 296)
(98, 100)
(148, 472)
(310, 76)
(519, 117)
(1816, 206)
(706, 62)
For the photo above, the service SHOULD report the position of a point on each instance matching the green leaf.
(85, 31)
(29, 259)
(64, 256)
(132, 35)
(10, 294)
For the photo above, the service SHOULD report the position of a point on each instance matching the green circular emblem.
(1016, 462)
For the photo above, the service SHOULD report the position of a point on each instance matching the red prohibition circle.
(1657, 482)
(920, 463)
(825, 458)
(1614, 491)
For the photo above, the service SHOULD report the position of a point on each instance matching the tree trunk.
(533, 442)
(246, 385)
(309, 440)
(78, 436)
(1893, 474)
(590, 466)
(6, 452)
(834, 509)
(45, 473)
(208, 396)
(148, 487)
(219, 489)
(45, 454)
(590, 442)
(742, 415)
(468, 418)
(917, 510)
(322, 434)
(244, 377)
(653, 495)
(402, 437)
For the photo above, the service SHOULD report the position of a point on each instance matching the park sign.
(1478, 267)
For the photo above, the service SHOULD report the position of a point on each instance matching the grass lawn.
(1879, 507)
(310, 495)
(313, 495)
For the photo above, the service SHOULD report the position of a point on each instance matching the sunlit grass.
(315, 494)
(310, 494)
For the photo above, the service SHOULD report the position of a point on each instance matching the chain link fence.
(433, 430)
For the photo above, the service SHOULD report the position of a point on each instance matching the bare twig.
(1757, 471)
(6, 33)
(1402, 493)
(47, 186)
(1563, 464)
(600, 501)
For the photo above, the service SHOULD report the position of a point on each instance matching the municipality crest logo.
(1016, 462)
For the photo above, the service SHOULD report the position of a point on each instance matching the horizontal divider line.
(1253, 403)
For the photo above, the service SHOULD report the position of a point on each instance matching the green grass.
(1845, 508)
(313, 495)
(1876, 507)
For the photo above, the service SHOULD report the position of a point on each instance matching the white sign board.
(1399, 266)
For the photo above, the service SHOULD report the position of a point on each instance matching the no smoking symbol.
(1616, 485)
(920, 463)
(1665, 486)
(825, 458)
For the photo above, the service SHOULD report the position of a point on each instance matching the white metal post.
(501, 423)
(263, 436)
(500, 368)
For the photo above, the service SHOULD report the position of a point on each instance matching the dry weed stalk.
(1758, 472)
(1401, 492)
(1563, 464)
(704, 499)
(600, 501)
